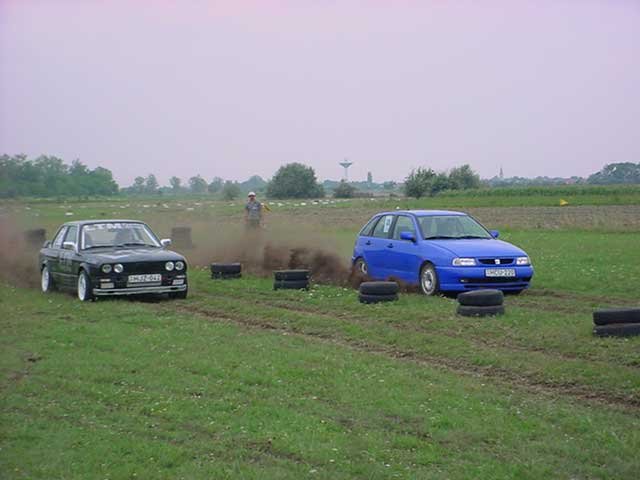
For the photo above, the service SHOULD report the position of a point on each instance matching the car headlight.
(118, 268)
(169, 266)
(523, 261)
(464, 262)
(179, 265)
(106, 268)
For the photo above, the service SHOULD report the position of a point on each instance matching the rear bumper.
(98, 292)
(470, 278)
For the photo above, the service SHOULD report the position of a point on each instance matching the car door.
(404, 255)
(377, 250)
(52, 255)
(68, 256)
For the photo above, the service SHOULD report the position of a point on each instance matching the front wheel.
(46, 282)
(84, 287)
(429, 283)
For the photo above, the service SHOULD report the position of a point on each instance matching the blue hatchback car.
(440, 251)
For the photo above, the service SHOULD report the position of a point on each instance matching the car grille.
(495, 280)
(496, 261)
(143, 267)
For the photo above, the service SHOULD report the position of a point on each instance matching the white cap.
(251, 194)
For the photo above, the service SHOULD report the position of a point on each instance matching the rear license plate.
(149, 278)
(500, 272)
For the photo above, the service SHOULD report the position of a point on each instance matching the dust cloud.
(18, 255)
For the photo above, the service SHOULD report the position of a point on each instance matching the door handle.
(390, 245)
(368, 242)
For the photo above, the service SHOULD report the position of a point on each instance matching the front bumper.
(98, 292)
(470, 278)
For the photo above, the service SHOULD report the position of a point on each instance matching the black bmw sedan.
(111, 257)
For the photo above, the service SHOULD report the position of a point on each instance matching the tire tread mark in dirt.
(500, 376)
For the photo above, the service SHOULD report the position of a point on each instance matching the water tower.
(346, 164)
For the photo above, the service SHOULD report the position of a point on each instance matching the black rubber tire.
(225, 276)
(617, 330)
(88, 294)
(379, 288)
(481, 298)
(436, 280)
(50, 286)
(367, 298)
(291, 285)
(226, 268)
(470, 311)
(179, 295)
(289, 275)
(609, 316)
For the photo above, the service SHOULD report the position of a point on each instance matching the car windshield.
(119, 234)
(454, 227)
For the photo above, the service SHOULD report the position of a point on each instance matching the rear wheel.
(84, 287)
(46, 282)
(429, 283)
(361, 267)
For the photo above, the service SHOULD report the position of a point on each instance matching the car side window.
(366, 230)
(72, 233)
(403, 224)
(57, 242)
(383, 227)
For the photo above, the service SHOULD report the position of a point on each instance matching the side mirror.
(494, 233)
(407, 236)
(46, 244)
(165, 242)
(68, 246)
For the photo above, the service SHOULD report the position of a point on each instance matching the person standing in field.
(253, 212)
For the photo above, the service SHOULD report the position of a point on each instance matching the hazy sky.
(232, 88)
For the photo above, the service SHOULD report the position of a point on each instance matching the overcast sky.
(233, 88)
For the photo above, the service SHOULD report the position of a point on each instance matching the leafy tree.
(294, 180)
(344, 190)
(462, 178)
(253, 184)
(138, 185)
(613, 173)
(176, 184)
(216, 185)
(231, 190)
(198, 184)
(419, 183)
(151, 184)
(440, 183)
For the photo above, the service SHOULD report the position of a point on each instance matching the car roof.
(425, 213)
(106, 220)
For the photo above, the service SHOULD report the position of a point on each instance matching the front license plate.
(500, 272)
(149, 278)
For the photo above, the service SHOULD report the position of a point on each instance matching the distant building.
(369, 178)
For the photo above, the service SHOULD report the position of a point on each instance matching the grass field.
(239, 381)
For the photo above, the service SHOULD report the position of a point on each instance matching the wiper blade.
(134, 244)
(441, 237)
(473, 236)
(97, 246)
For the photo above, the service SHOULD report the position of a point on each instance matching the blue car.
(440, 251)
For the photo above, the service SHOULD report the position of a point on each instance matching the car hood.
(128, 255)
(474, 248)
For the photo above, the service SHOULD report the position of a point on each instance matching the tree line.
(49, 176)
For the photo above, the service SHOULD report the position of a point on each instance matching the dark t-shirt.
(254, 210)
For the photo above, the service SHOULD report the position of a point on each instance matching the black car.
(111, 257)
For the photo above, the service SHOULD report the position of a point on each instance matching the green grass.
(239, 381)
(121, 389)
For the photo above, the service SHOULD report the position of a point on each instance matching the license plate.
(148, 278)
(500, 272)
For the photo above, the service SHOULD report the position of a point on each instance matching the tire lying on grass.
(291, 285)
(376, 292)
(617, 330)
(481, 298)
(474, 311)
(226, 270)
(609, 316)
(290, 275)
(366, 298)
(379, 288)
